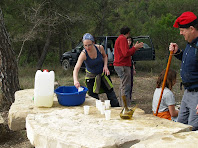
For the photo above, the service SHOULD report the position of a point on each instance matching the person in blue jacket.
(188, 26)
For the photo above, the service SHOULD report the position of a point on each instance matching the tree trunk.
(30, 51)
(8, 66)
(45, 50)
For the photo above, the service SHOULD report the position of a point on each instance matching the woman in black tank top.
(95, 60)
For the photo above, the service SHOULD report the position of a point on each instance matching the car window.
(110, 49)
(100, 41)
(145, 53)
(146, 41)
(146, 45)
(79, 47)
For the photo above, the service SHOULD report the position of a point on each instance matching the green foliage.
(52, 58)
(64, 78)
(161, 31)
(157, 65)
(28, 22)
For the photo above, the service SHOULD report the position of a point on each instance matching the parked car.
(70, 58)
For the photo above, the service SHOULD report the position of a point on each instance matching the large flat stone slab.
(60, 126)
(71, 128)
(177, 140)
(24, 105)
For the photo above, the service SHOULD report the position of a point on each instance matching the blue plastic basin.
(69, 95)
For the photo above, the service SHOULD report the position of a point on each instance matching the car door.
(145, 53)
(109, 48)
(108, 43)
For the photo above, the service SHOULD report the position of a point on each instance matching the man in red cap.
(188, 26)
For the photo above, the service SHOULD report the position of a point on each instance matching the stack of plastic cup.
(102, 106)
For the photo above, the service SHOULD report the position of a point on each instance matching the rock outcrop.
(61, 126)
(71, 128)
(24, 105)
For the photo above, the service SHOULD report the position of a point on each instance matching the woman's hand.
(106, 70)
(197, 109)
(173, 47)
(134, 72)
(76, 84)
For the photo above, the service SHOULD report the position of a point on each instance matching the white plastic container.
(44, 88)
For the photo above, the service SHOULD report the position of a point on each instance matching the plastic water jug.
(44, 88)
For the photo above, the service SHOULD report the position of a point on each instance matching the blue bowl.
(69, 95)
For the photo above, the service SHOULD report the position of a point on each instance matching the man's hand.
(138, 45)
(173, 47)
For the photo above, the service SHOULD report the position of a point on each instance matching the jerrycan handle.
(45, 70)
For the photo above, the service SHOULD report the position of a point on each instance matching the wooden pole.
(164, 81)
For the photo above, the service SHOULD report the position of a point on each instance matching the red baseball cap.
(185, 20)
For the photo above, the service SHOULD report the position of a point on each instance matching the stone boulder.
(176, 140)
(71, 128)
(24, 105)
(61, 126)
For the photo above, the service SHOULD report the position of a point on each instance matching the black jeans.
(110, 93)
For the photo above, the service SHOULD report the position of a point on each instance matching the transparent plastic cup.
(98, 104)
(107, 104)
(107, 114)
(86, 109)
(80, 89)
(102, 108)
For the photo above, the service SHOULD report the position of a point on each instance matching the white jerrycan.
(44, 88)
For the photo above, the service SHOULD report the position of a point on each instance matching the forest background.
(42, 30)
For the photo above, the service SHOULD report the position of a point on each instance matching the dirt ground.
(144, 86)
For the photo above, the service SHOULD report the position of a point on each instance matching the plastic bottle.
(44, 88)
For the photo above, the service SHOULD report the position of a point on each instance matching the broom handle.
(164, 81)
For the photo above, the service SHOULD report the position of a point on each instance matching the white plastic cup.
(80, 89)
(107, 114)
(102, 108)
(86, 110)
(98, 104)
(107, 104)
